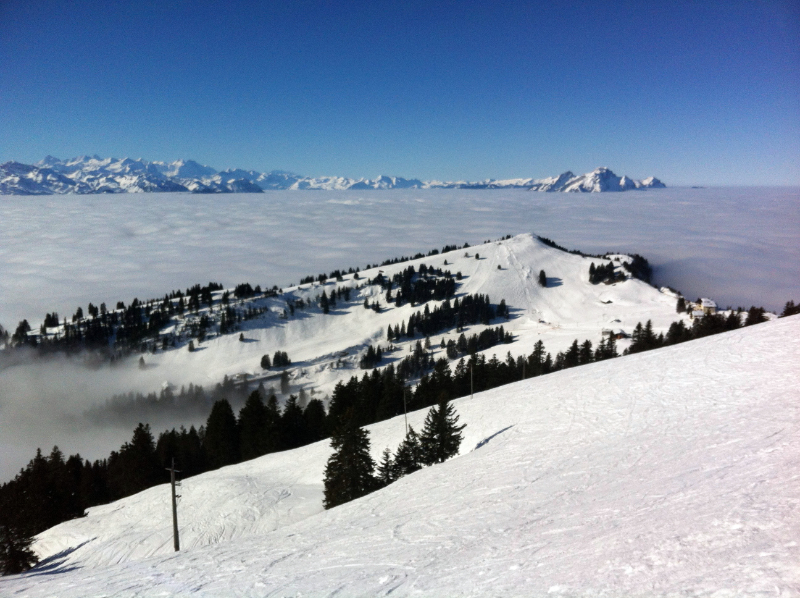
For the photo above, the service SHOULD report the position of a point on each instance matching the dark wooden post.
(175, 539)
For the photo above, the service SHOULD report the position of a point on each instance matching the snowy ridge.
(671, 472)
(597, 181)
(92, 174)
(326, 349)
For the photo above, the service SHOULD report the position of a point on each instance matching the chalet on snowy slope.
(706, 307)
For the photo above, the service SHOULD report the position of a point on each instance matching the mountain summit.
(599, 180)
(92, 174)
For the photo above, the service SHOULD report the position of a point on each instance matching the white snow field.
(44, 403)
(569, 308)
(669, 473)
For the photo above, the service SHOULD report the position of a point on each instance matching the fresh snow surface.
(667, 473)
(44, 403)
(569, 308)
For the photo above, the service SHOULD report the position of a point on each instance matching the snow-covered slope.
(325, 349)
(92, 174)
(672, 472)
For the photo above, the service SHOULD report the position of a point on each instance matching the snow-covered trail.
(670, 473)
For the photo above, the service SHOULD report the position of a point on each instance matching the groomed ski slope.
(670, 473)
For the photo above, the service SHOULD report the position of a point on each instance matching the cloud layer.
(738, 246)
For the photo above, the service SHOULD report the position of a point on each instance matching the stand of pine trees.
(52, 489)
(790, 309)
(351, 472)
(603, 273)
(114, 333)
(464, 311)
(644, 339)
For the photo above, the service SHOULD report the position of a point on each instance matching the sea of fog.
(739, 246)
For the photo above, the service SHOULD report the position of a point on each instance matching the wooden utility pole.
(175, 539)
(405, 409)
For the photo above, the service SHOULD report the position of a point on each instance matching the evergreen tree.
(611, 347)
(733, 321)
(408, 457)
(136, 466)
(349, 471)
(451, 349)
(221, 441)
(273, 427)
(293, 428)
(281, 359)
(324, 304)
(572, 356)
(441, 434)
(384, 475)
(586, 355)
(253, 438)
(285, 382)
(16, 555)
(681, 306)
(20, 336)
(502, 310)
(755, 315)
(536, 360)
(316, 423)
(542, 278)
(265, 362)
(677, 333)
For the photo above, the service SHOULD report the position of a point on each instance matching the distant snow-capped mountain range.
(92, 174)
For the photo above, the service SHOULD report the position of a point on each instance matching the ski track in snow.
(668, 473)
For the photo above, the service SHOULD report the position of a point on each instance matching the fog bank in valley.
(739, 246)
(47, 402)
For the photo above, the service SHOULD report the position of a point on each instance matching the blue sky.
(691, 92)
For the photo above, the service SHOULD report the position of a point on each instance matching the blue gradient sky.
(691, 92)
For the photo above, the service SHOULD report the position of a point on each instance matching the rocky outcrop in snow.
(92, 174)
